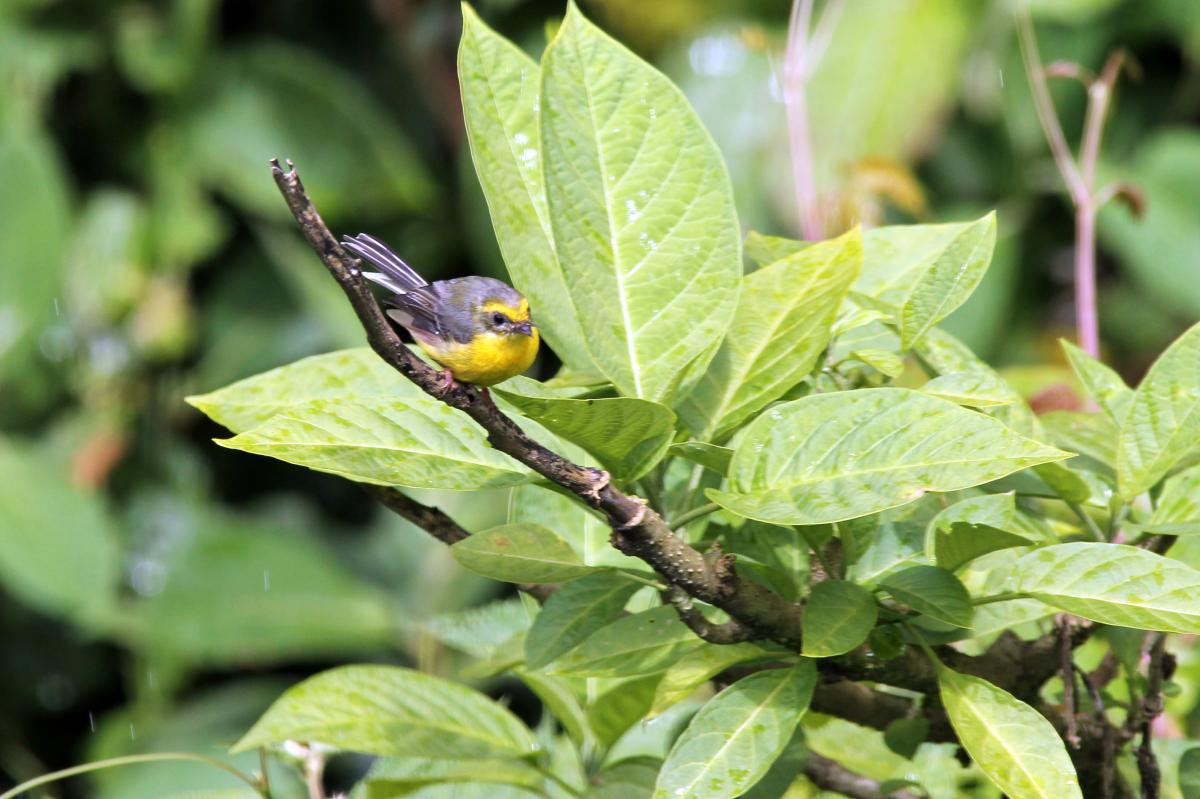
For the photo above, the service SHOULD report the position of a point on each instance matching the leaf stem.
(699, 512)
(1088, 521)
(128, 760)
(925, 647)
(1004, 597)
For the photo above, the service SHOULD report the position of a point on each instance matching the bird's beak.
(524, 327)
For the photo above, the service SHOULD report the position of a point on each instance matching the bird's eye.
(499, 319)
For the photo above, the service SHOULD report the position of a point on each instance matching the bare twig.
(1067, 670)
(638, 530)
(1108, 733)
(730, 632)
(1150, 708)
(804, 52)
(830, 775)
(1079, 175)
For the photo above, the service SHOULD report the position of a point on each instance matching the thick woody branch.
(637, 529)
(830, 775)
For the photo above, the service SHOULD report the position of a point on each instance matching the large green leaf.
(1162, 249)
(736, 736)
(698, 667)
(1179, 503)
(582, 527)
(627, 435)
(417, 442)
(641, 210)
(272, 98)
(932, 592)
(1102, 383)
(837, 618)
(58, 547)
(520, 553)
(628, 779)
(248, 592)
(973, 389)
(575, 611)
(973, 527)
(944, 265)
(500, 85)
(35, 228)
(832, 457)
(386, 710)
(943, 354)
(346, 374)
(1014, 745)
(396, 776)
(1163, 421)
(644, 643)
(621, 706)
(782, 324)
(1113, 584)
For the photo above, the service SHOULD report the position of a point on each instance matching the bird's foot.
(446, 383)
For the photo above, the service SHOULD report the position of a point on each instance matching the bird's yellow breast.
(488, 359)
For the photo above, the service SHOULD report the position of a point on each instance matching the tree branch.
(637, 529)
(829, 775)
(730, 632)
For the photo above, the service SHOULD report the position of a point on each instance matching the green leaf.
(272, 98)
(246, 591)
(1090, 434)
(944, 355)
(582, 527)
(1014, 745)
(635, 188)
(629, 779)
(58, 547)
(782, 324)
(386, 710)
(356, 374)
(557, 695)
(35, 228)
(973, 527)
(904, 736)
(953, 273)
(932, 592)
(1163, 421)
(837, 618)
(1189, 774)
(574, 612)
(885, 362)
(627, 435)
(698, 667)
(973, 389)
(415, 442)
(736, 736)
(395, 776)
(832, 457)
(620, 707)
(520, 553)
(710, 456)
(765, 250)
(1179, 503)
(1161, 247)
(481, 630)
(500, 86)
(1114, 584)
(637, 645)
(1102, 384)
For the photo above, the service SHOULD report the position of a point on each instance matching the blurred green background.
(157, 591)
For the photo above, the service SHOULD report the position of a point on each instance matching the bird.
(477, 328)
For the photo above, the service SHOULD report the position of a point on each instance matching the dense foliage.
(805, 408)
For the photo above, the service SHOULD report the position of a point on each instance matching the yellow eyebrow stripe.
(518, 314)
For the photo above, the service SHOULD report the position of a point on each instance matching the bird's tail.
(396, 275)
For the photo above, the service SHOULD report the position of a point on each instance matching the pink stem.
(1087, 325)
